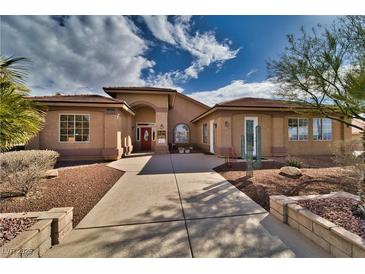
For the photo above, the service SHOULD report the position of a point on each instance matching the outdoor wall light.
(226, 124)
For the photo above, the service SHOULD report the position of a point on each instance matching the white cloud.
(160, 28)
(164, 80)
(252, 71)
(86, 53)
(236, 89)
(204, 47)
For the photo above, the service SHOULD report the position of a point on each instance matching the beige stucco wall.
(274, 132)
(109, 135)
(199, 125)
(237, 128)
(183, 112)
(145, 114)
(159, 101)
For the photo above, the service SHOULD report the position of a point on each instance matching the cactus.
(248, 155)
(257, 163)
(243, 155)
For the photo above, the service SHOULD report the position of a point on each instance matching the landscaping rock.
(291, 171)
(11, 227)
(82, 187)
(52, 173)
(337, 211)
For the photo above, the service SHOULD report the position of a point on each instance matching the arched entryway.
(145, 127)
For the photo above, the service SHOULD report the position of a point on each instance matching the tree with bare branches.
(324, 71)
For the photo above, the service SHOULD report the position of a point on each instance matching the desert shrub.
(21, 169)
(295, 162)
(348, 155)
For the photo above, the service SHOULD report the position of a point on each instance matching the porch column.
(161, 131)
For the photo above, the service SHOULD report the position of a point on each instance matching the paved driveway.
(176, 206)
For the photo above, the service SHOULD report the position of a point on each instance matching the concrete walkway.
(176, 206)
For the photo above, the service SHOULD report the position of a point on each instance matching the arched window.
(181, 134)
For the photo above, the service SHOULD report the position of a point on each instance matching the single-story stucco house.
(159, 119)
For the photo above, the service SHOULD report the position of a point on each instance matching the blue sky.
(211, 58)
(258, 39)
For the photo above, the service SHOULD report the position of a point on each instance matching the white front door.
(250, 128)
(211, 138)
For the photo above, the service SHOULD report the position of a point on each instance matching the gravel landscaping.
(79, 187)
(338, 211)
(267, 181)
(11, 227)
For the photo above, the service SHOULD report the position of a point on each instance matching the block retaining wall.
(50, 229)
(334, 239)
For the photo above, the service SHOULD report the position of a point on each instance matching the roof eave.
(193, 100)
(124, 106)
(217, 107)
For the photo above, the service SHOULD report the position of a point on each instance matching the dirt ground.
(320, 176)
(80, 187)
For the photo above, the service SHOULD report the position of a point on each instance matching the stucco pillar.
(112, 136)
(161, 131)
(278, 136)
(223, 140)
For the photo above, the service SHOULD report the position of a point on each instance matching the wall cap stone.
(61, 209)
(25, 241)
(40, 225)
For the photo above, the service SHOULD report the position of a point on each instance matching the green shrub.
(295, 162)
(21, 169)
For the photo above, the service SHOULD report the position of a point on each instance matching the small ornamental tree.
(20, 117)
(324, 71)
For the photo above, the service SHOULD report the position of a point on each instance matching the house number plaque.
(161, 136)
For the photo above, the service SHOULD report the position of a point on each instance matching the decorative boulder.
(52, 173)
(291, 171)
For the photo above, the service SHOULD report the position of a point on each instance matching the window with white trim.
(298, 129)
(74, 128)
(205, 133)
(322, 129)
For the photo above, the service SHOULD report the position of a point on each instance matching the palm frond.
(20, 117)
(13, 69)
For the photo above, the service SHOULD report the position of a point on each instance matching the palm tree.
(20, 117)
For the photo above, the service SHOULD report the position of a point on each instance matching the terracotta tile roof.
(140, 89)
(112, 90)
(250, 102)
(255, 103)
(81, 98)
